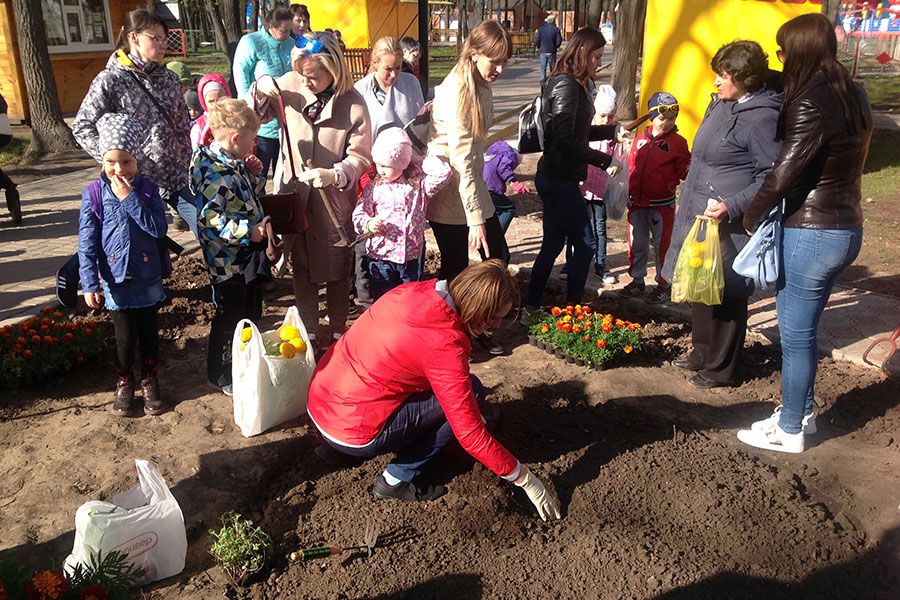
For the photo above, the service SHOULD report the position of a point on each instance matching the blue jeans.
(547, 60)
(597, 221)
(813, 260)
(186, 205)
(385, 275)
(505, 210)
(565, 217)
(267, 153)
(416, 432)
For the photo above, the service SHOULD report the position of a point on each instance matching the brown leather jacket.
(820, 167)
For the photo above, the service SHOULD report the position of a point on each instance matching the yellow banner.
(361, 22)
(681, 37)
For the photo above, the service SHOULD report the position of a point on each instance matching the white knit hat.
(605, 102)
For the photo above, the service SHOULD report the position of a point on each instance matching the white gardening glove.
(266, 86)
(318, 178)
(614, 168)
(623, 135)
(545, 503)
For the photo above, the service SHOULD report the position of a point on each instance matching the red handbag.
(287, 209)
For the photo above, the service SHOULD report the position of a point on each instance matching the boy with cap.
(392, 209)
(231, 227)
(658, 161)
(121, 259)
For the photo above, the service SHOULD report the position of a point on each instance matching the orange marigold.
(601, 343)
(576, 328)
(566, 327)
(545, 328)
(46, 321)
(587, 324)
(586, 338)
(587, 310)
(17, 347)
(26, 353)
(47, 310)
(49, 340)
(35, 339)
(556, 311)
(68, 337)
(95, 591)
(57, 315)
(46, 585)
(627, 349)
(88, 331)
(607, 329)
(21, 340)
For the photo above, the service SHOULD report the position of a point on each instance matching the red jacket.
(409, 341)
(657, 165)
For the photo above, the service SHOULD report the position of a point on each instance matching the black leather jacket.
(819, 170)
(567, 113)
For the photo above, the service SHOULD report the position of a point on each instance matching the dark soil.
(659, 498)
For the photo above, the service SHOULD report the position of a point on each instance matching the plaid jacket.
(227, 197)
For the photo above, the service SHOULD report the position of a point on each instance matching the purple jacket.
(500, 162)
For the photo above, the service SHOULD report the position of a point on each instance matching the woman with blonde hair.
(399, 382)
(331, 140)
(393, 98)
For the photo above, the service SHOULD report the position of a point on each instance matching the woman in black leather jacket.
(566, 114)
(826, 127)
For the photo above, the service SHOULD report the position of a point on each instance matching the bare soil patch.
(660, 500)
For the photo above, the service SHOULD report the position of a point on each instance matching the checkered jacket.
(227, 196)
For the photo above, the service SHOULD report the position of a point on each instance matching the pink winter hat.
(392, 148)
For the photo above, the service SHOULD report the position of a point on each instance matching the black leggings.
(234, 300)
(453, 242)
(136, 325)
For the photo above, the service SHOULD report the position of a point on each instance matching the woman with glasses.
(137, 83)
(733, 152)
(399, 382)
(825, 127)
(331, 140)
(265, 52)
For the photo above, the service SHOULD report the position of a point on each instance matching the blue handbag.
(760, 259)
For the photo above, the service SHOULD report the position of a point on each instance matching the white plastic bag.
(145, 523)
(616, 194)
(268, 390)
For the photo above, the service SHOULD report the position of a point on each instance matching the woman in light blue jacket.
(266, 52)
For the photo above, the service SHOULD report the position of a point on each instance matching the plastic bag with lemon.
(699, 275)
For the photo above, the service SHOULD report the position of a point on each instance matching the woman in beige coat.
(331, 140)
(461, 115)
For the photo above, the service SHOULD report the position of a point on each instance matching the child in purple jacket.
(500, 162)
(392, 209)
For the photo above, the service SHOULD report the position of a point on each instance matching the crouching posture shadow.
(398, 381)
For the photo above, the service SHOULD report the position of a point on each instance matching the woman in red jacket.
(398, 381)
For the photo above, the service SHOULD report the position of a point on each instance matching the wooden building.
(81, 36)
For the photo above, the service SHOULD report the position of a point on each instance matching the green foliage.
(15, 150)
(582, 333)
(239, 548)
(105, 577)
(113, 572)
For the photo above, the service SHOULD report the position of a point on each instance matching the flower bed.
(45, 344)
(580, 335)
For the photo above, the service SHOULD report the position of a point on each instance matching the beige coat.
(466, 199)
(341, 138)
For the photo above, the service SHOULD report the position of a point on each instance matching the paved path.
(31, 254)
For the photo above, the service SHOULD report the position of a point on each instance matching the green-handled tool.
(305, 554)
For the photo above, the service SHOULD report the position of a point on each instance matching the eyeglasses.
(664, 108)
(780, 55)
(160, 41)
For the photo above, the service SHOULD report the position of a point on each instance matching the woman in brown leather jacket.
(826, 127)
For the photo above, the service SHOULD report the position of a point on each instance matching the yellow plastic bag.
(699, 275)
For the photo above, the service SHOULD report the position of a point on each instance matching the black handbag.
(531, 127)
(287, 209)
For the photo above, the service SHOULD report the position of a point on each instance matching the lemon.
(299, 344)
(246, 334)
(696, 262)
(287, 350)
(288, 332)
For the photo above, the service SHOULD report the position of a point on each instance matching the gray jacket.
(403, 101)
(734, 150)
(167, 145)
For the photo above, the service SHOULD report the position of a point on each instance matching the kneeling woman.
(398, 381)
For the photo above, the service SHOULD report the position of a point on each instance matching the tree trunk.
(254, 15)
(232, 22)
(627, 49)
(592, 12)
(49, 132)
(479, 11)
(830, 9)
(212, 10)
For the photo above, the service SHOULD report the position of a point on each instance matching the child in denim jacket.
(392, 209)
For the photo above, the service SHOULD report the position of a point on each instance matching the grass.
(14, 150)
(882, 170)
(212, 61)
(884, 92)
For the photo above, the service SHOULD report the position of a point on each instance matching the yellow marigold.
(287, 350)
(246, 334)
(567, 319)
(696, 262)
(627, 349)
(288, 332)
(299, 344)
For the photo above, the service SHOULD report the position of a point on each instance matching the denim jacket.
(125, 244)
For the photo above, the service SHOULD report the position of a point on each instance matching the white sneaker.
(609, 278)
(809, 422)
(773, 438)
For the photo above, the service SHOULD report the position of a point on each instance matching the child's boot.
(153, 403)
(14, 203)
(124, 403)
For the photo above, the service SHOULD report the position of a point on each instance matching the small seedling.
(239, 548)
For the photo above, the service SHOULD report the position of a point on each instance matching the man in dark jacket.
(548, 40)
(7, 184)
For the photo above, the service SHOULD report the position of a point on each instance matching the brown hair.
(135, 22)
(810, 47)
(279, 15)
(574, 59)
(300, 10)
(231, 114)
(492, 40)
(479, 292)
(744, 61)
